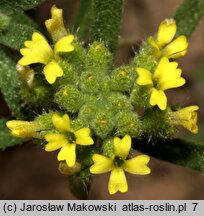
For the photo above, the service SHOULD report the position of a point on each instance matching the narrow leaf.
(83, 18)
(188, 15)
(177, 151)
(24, 4)
(106, 22)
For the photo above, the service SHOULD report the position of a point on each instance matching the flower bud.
(69, 98)
(187, 117)
(64, 169)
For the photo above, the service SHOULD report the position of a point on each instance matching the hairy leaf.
(177, 151)
(15, 35)
(106, 22)
(188, 15)
(10, 83)
(24, 4)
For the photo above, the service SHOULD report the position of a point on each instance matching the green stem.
(188, 15)
(106, 22)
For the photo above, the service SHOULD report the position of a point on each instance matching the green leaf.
(178, 151)
(15, 35)
(6, 139)
(83, 18)
(10, 83)
(188, 15)
(24, 4)
(106, 22)
(18, 28)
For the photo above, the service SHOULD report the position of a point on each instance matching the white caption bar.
(105, 207)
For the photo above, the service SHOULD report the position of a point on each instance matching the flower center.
(71, 137)
(118, 161)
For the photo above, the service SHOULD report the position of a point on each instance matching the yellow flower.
(24, 129)
(163, 44)
(118, 164)
(39, 51)
(166, 76)
(67, 139)
(55, 25)
(187, 117)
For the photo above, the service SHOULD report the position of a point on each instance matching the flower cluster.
(93, 119)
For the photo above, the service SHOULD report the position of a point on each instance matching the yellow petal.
(61, 123)
(55, 141)
(55, 25)
(145, 77)
(122, 147)
(177, 48)
(167, 75)
(153, 43)
(187, 117)
(101, 164)
(162, 67)
(37, 51)
(159, 98)
(64, 44)
(68, 153)
(52, 70)
(166, 32)
(83, 137)
(137, 165)
(117, 181)
(172, 83)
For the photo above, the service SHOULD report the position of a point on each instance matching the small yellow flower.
(187, 117)
(39, 51)
(118, 163)
(67, 139)
(55, 25)
(163, 44)
(166, 76)
(24, 129)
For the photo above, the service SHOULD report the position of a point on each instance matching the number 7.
(195, 205)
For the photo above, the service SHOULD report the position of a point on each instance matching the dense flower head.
(164, 44)
(66, 139)
(187, 117)
(118, 163)
(166, 76)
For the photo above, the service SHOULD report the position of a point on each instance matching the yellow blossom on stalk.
(67, 139)
(38, 50)
(187, 117)
(166, 76)
(24, 129)
(117, 164)
(164, 44)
